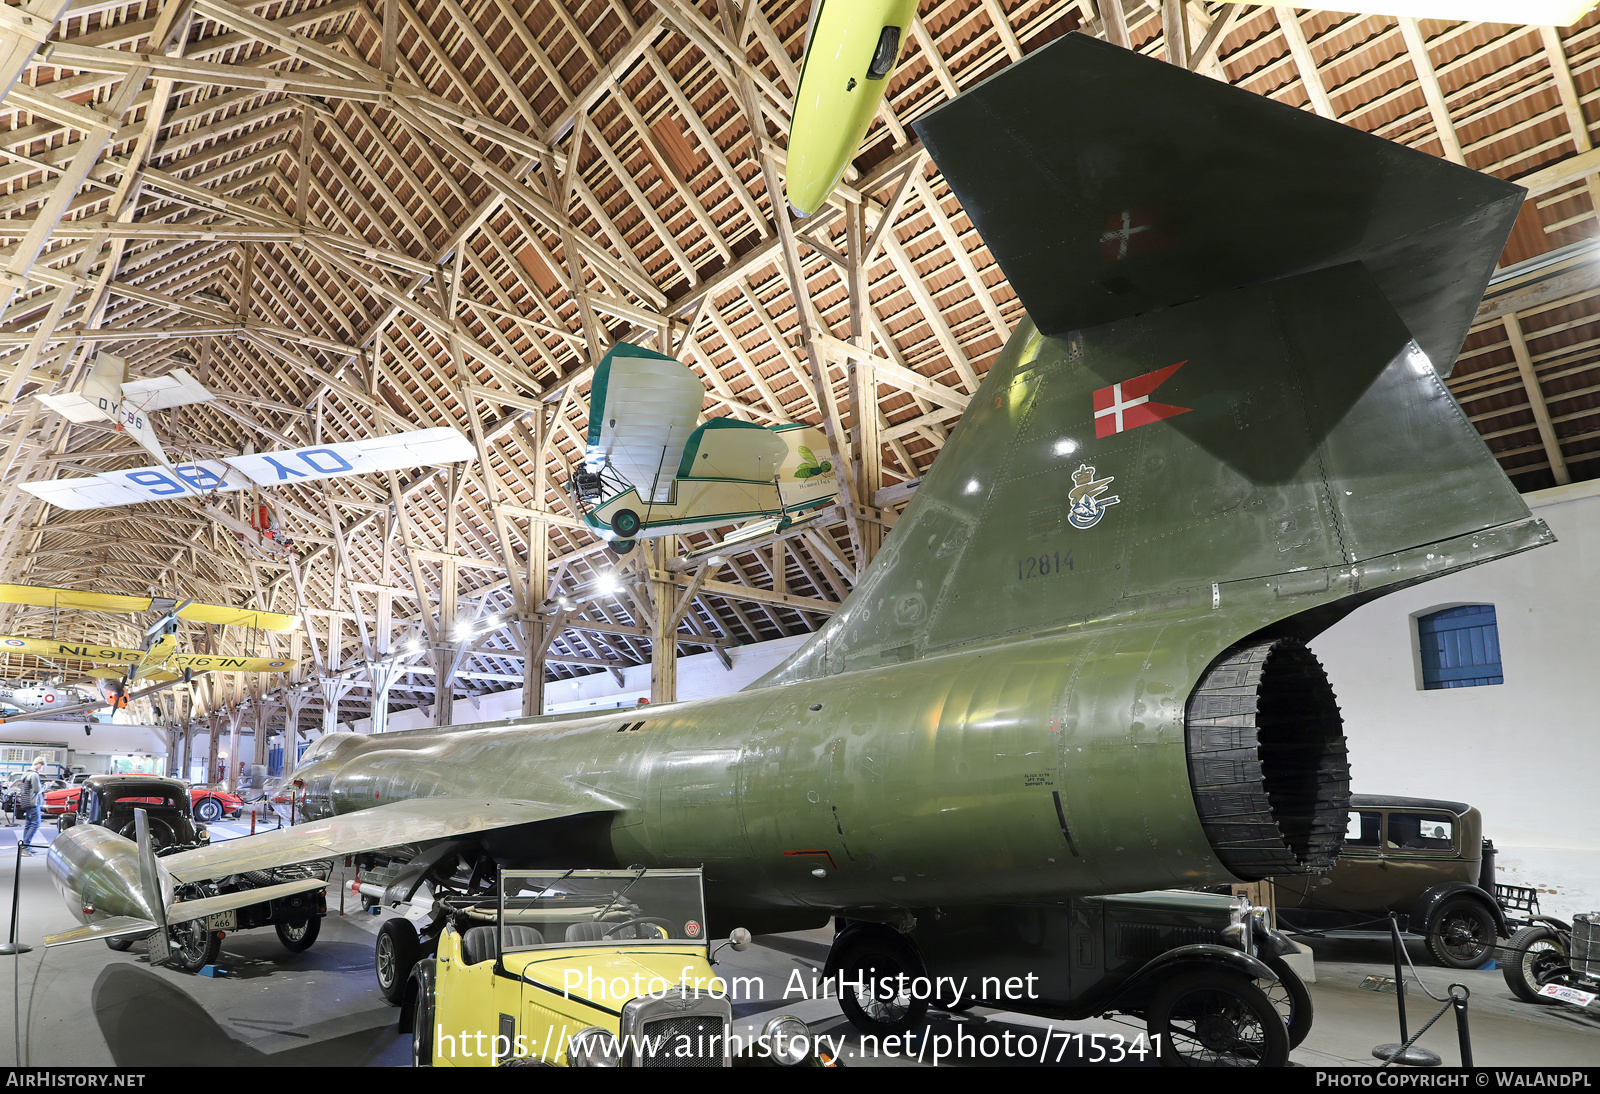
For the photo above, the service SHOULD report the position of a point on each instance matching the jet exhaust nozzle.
(1268, 762)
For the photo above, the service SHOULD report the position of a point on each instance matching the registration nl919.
(1049, 1045)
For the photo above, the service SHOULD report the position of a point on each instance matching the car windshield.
(602, 907)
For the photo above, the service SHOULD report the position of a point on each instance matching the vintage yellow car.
(584, 968)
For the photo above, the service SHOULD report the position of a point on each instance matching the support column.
(235, 720)
(664, 627)
(444, 681)
(188, 749)
(214, 718)
(866, 447)
(333, 689)
(382, 675)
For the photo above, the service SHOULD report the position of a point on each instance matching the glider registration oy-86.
(108, 394)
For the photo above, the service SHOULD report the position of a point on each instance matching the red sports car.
(210, 803)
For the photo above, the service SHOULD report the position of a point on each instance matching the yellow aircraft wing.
(116, 655)
(39, 596)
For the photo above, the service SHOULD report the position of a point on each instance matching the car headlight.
(594, 1047)
(1238, 932)
(788, 1039)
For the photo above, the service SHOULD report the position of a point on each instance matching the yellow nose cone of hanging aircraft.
(851, 50)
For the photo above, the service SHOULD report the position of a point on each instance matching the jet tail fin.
(1257, 435)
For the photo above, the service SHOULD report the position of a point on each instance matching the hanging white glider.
(107, 394)
(650, 471)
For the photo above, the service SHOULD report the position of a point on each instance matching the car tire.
(298, 937)
(874, 958)
(1529, 959)
(394, 956)
(194, 945)
(1216, 1018)
(119, 945)
(1290, 998)
(209, 810)
(422, 1026)
(1461, 933)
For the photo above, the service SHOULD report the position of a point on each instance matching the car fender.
(854, 929)
(1427, 904)
(1138, 987)
(1271, 942)
(1551, 921)
(424, 976)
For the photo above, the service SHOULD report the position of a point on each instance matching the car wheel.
(209, 810)
(297, 936)
(120, 945)
(625, 523)
(394, 955)
(422, 1027)
(1534, 957)
(161, 834)
(65, 821)
(1216, 1018)
(885, 1006)
(1289, 998)
(194, 945)
(1461, 933)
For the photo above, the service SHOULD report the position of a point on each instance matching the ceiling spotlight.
(717, 560)
(607, 582)
(564, 603)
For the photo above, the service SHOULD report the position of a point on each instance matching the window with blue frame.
(1460, 647)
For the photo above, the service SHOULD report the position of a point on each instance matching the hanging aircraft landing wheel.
(622, 548)
(625, 523)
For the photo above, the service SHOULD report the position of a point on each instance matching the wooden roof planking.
(353, 217)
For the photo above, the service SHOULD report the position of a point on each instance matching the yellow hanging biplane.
(159, 660)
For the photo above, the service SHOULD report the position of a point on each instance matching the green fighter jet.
(1080, 663)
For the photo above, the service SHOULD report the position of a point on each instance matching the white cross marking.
(1126, 232)
(1117, 406)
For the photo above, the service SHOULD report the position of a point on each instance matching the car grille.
(685, 1040)
(1586, 946)
(1144, 941)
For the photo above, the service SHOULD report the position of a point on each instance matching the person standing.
(30, 801)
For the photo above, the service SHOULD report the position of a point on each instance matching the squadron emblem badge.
(1087, 505)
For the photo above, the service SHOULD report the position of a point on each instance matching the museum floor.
(84, 1005)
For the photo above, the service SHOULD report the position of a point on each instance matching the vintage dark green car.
(1203, 970)
(1421, 860)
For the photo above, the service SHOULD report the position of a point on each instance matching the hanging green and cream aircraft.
(1080, 662)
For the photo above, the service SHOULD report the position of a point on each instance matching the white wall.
(700, 676)
(1525, 752)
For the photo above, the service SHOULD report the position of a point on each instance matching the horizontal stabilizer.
(1145, 185)
(414, 821)
(176, 388)
(186, 910)
(118, 926)
(416, 448)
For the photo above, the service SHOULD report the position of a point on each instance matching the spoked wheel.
(1534, 957)
(161, 834)
(394, 955)
(1461, 934)
(1216, 1018)
(885, 1004)
(1289, 998)
(298, 937)
(194, 945)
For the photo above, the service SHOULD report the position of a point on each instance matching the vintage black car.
(1203, 970)
(111, 802)
(1421, 860)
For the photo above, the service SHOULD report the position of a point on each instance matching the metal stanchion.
(1463, 1035)
(12, 947)
(1401, 1053)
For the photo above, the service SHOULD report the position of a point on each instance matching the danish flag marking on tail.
(1127, 405)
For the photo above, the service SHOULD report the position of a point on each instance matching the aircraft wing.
(138, 484)
(413, 821)
(176, 388)
(40, 596)
(642, 408)
(415, 448)
(117, 655)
